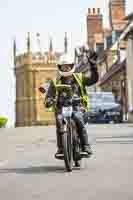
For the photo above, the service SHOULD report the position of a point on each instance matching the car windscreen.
(101, 101)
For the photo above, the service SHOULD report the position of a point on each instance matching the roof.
(113, 70)
(126, 31)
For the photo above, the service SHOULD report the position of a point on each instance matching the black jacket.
(88, 80)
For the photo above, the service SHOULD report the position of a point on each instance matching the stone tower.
(94, 27)
(117, 12)
(31, 71)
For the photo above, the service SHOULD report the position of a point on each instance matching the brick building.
(113, 73)
(117, 11)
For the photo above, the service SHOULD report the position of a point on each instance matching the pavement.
(28, 169)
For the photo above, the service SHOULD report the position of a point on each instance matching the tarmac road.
(28, 169)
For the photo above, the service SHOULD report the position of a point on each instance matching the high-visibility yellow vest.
(79, 78)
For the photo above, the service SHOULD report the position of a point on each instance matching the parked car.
(103, 108)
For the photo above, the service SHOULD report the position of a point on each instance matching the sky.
(49, 18)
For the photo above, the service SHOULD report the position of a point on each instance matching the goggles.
(65, 67)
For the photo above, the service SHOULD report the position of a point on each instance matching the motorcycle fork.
(66, 121)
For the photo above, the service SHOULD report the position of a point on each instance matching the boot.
(59, 153)
(86, 149)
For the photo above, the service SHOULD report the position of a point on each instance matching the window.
(108, 41)
(99, 47)
(115, 35)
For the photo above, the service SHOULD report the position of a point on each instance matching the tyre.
(76, 146)
(67, 147)
(116, 120)
(77, 164)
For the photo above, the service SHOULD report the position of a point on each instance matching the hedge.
(3, 121)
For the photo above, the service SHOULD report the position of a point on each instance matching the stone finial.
(66, 43)
(38, 42)
(14, 48)
(28, 42)
(51, 45)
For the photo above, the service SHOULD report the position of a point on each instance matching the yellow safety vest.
(79, 78)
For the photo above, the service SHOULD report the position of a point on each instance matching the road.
(28, 169)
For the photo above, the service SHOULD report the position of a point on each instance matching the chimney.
(98, 11)
(94, 11)
(94, 21)
(89, 11)
(117, 12)
(94, 25)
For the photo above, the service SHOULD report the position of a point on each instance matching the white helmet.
(66, 59)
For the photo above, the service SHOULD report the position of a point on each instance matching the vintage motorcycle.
(69, 134)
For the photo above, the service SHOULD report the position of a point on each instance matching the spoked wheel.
(77, 163)
(68, 148)
(76, 155)
(76, 147)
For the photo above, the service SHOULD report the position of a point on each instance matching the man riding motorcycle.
(78, 81)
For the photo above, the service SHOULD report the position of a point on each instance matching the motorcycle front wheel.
(76, 146)
(68, 147)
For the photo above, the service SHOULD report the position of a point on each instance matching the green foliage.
(41, 123)
(45, 123)
(3, 121)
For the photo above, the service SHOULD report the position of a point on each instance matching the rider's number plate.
(67, 111)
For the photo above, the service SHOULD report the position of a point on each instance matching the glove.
(42, 89)
(49, 102)
(93, 57)
(93, 67)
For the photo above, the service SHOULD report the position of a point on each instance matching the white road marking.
(2, 163)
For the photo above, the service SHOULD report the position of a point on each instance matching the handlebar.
(76, 99)
(73, 101)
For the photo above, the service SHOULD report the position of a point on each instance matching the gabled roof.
(113, 70)
(126, 31)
